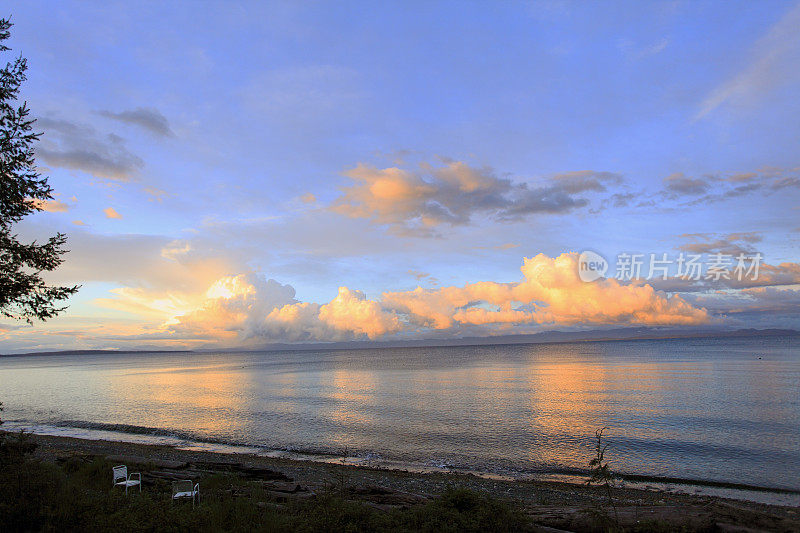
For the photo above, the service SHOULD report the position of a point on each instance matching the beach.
(559, 505)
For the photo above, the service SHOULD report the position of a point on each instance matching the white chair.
(122, 479)
(186, 489)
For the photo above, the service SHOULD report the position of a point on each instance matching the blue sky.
(225, 137)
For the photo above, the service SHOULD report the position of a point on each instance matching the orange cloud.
(253, 307)
(51, 206)
(419, 200)
(248, 308)
(388, 195)
(550, 293)
(351, 311)
(111, 213)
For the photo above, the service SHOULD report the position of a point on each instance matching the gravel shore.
(554, 504)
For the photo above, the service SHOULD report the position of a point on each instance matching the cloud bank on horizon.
(247, 307)
(394, 186)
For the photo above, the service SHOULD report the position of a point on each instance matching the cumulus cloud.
(352, 311)
(248, 305)
(248, 308)
(78, 146)
(148, 118)
(551, 293)
(455, 193)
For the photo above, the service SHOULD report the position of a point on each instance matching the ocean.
(714, 409)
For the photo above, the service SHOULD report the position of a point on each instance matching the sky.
(235, 174)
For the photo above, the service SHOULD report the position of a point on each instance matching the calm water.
(718, 409)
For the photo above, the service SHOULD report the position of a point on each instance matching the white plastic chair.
(122, 479)
(186, 489)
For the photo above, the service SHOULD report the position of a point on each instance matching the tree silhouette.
(24, 295)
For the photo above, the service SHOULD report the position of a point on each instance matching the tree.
(24, 295)
(601, 473)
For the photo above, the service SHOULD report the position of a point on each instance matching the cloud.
(162, 265)
(679, 184)
(715, 188)
(419, 275)
(77, 146)
(783, 274)
(351, 311)
(551, 293)
(248, 308)
(418, 201)
(147, 118)
(754, 307)
(51, 206)
(110, 212)
(156, 194)
(736, 185)
(308, 198)
(618, 200)
(733, 243)
(771, 64)
(422, 276)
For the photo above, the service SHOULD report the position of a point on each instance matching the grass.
(76, 495)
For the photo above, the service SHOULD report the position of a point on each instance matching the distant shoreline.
(548, 337)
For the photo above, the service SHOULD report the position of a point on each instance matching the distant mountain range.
(545, 337)
(619, 334)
